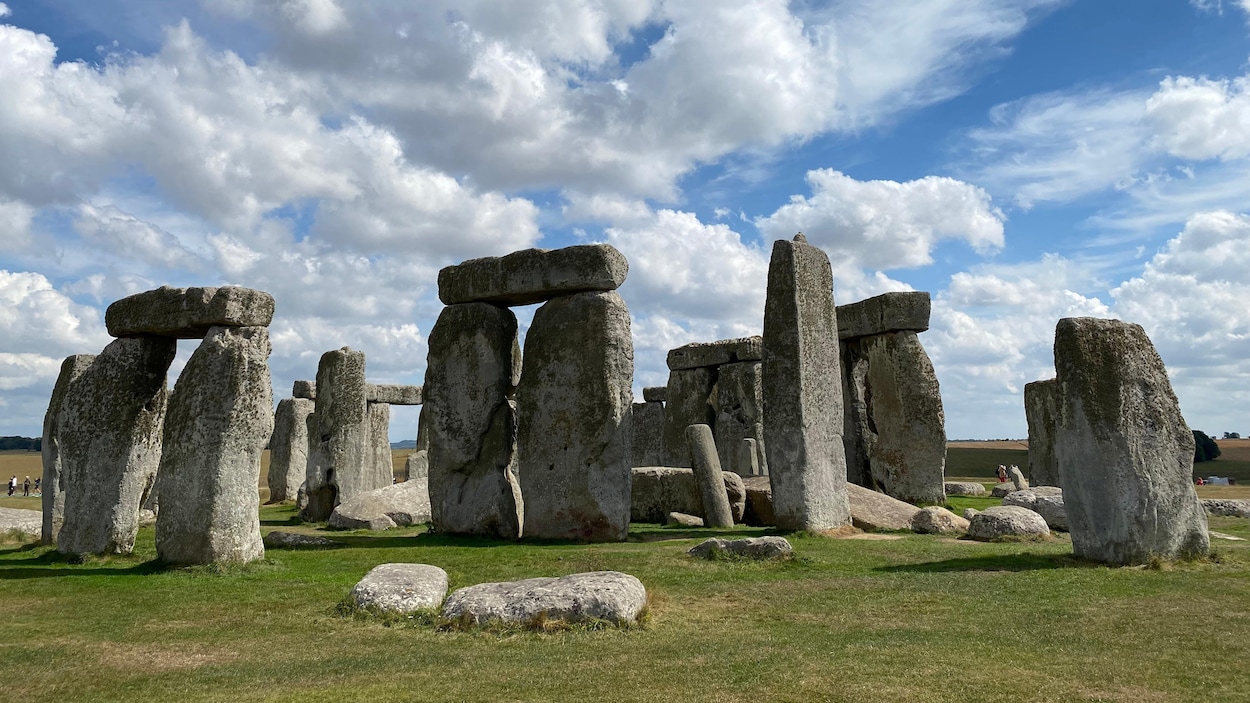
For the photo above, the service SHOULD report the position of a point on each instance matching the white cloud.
(4, 10)
(1199, 118)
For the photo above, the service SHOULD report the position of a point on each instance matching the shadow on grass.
(995, 562)
(289, 522)
(44, 566)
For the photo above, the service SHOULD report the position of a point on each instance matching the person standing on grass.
(26, 488)
(38, 485)
(12, 485)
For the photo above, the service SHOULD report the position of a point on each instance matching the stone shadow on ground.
(44, 566)
(995, 562)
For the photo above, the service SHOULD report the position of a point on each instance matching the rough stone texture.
(533, 275)
(288, 448)
(689, 392)
(964, 488)
(417, 465)
(406, 503)
(219, 421)
(872, 511)
(111, 421)
(1124, 451)
(575, 404)
(1003, 490)
(655, 394)
(378, 416)
(188, 313)
(1017, 478)
(648, 444)
(53, 484)
(707, 475)
(970, 513)
(26, 522)
(1041, 408)
(1226, 507)
(802, 391)
(895, 425)
(889, 312)
(1046, 501)
(739, 402)
(935, 520)
(598, 595)
(393, 394)
(725, 351)
(342, 460)
(401, 588)
(294, 540)
(1006, 521)
(760, 548)
(657, 491)
(472, 426)
(306, 390)
(759, 502)
(682, 520)
(749, 458)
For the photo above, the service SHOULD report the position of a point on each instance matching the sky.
(1021, 160)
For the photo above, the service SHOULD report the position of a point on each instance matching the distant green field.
(983, 462)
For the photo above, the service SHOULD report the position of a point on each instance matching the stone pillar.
(1041, 408)
(288, 448)
(802, 391)
(689, 391)
(338, 439)
(381, 466)
(219, 421)
(708, 475)
(575, 407)
(1124, 452)
(471, 423)
(53, 483)
(648, 444)
(748, 458)
(739, 413)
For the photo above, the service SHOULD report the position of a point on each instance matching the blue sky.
(1022, 160)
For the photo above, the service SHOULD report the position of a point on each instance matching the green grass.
(916, 618)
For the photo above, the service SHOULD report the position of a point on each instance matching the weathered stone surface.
(1017, 478)
(964, 488)
(110, 424)
(219, 421)
(25, 522)
(53, 484)
(682, 520)
(1226, 507)
(294, 540)
(655, 394)
(970, 513)
(648, 444)
(889, 312)
(472, 425)
(872, 511)
(188, 313)
(598, 595)
(1124, 451)
(1006, 521)
(378, 416)
(575, 404)
(533, 275)
(760, 548)
(417, 465)
(739, 401)
(406, 503)
(393, 394)
(1046, 501)
(935, 520)
(1041, 408)
(759, 502)
(288, 448)
(689, 392)
(305, 390)
(401, 588)
(1003, 490)
(707, 475)
(725, 351)
(748, 458)
(802, 391)
(659, 490)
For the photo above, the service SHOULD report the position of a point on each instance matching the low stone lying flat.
(28, 522)
(401, 588)
(1006, 521)
(188, 313)
(1046, 501)
(597, 595)
(406, 503)
(872, 511)
(655, 394)
(725, 351)
(1003, 489)
(1221, 535)
(1226, 507)
(936, 520)
(683, 520)
(533, 275)
(294, 540)
(964, 488)
(750, 548)
(888, 312)
(657, 491)
(393, 394)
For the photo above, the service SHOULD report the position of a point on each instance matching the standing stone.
(802, 391)
(575, 405)
(471, 423)
(110, 423)
(219, 420)
(748, 459)
(739, 414)
(1041, 410)
(1017, 478)
(53, 484)
(689, 393)
(1124, 452)
(707, 473)
(288, 448)
(381, 465)
(648, 445)
(340, 456)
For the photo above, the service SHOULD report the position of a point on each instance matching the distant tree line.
(1205, 448)
(25, 443)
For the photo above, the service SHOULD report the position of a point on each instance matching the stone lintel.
(889, 312)
(725, 351)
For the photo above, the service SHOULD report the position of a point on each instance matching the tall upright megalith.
(288, 448)
(338, 439)
(689, 394)
(53, 476)
(802, 390)
(740, 416)
(1125, 454)
(1041, 411)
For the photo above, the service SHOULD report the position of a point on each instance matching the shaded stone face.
(288, 448)
(306, 390)
(725, 351)
(188, 313)
(340, 455)
(1125, 454)
(219, 421)
(689, 396)
(110, 424)
(381, 467)
(657, 491)
(393, 394)
(655, 394)
(575, 403)
(740, 416)
(648, 443)
(533, 275)
(53, 479)
(906, 311)
(1041, 408)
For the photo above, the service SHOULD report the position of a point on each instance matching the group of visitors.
(25, 486)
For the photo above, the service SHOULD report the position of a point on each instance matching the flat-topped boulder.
(388, 393)
(655, 394)
(401, 588)
(1046, 501)
(533, 275)
(871, 510)
(683, 520)
(597, 595)
(188, 313)
(406, 503)
(1226, 507)
(936, 520)
(760, 548)
(964, 488)
(726, 351)
(889, 312)
(1007, 521)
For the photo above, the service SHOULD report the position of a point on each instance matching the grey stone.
(1017, 478)
(969, 513)
(394, 394)
(23, 522)
(759, 502)
(748, 459)
(1041, 408)
(53, 484)
(655, 394)
(759, 548)
(219, 421)
(533, 275)
(689, 393)
(294, 540)
(305, 390)
(648, 444)
(739, 402)
(1124, 451)
(873, 511)
(146, 517)
(110, 427)
(188, 313)
(658, 490)
(1006, 521)
(802, 391)
(1046, 501)
(725, 351)
(598, 595)
(471, 423)
(906, 311)
(288, 448)
(1002, 490)
(1226, 507)
(935, 520)
(575, 404)
(682, 520)
(964, 488)
(383, 465)
(707, 474)
(401, 588)
(417, 465)
(406, 503)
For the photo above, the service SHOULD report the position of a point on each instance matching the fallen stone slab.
(26, 522)
(657, 491)
(935, 520)
(188, 313)
(401, 588)
(964, 488)
(683, 520)
(871, 510)
(726, 351)
(1006, 521)
(1046, 501)
(655, 394)
(906, 311)
(759, 502)
(406, 503)
(533, 275)
(295, 540)
(597, 595)
(1002, 490)
(750, 548)
(1226, 507)
(393, 394)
